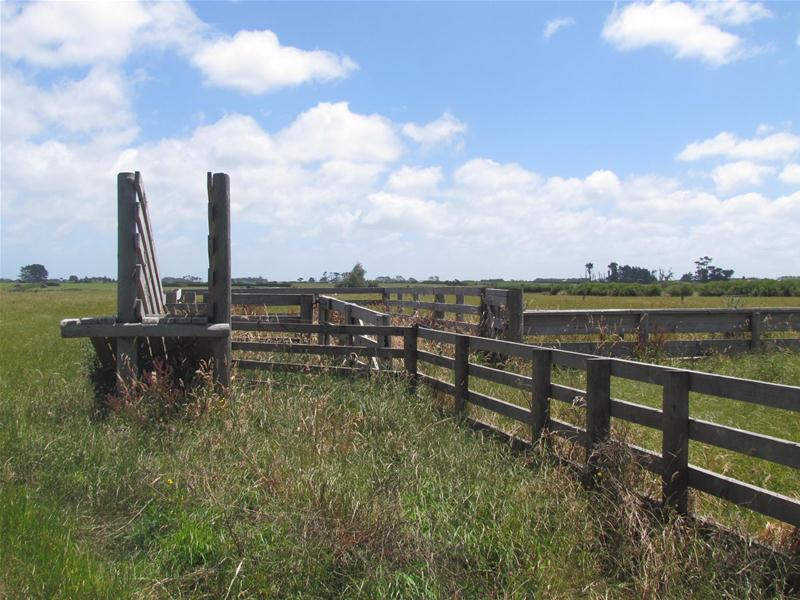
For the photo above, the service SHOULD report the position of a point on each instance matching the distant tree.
(33, 273)
(311, 280)
(704, 271)
(589, 266)
(613, 272)
(73, 279)
(355, 278)
(664, 275)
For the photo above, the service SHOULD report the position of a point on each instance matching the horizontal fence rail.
(743, 329)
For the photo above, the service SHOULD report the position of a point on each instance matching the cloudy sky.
(461, 140)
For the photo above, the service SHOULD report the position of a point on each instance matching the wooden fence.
(673, 420)
(664, 330)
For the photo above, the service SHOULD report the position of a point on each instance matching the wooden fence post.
(348, 320)
(755, 330)
(438, 314)
(675, 439)
(459, 300)
(127, 355)
(514, 310)
(540, 396)
(385, 341)
(322, 318)
(483, 315)
(644, 330)
(306, 308)
(410, 336)
(598, 410)
(461, 380)
(219, 280)
(385, 297)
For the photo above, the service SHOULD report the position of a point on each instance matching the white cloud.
(552, 26)
(778, 146)
(98, 103)
(446, 129)
(411, 180)
(63, 34)
(332, 131)
(256, 62)
(735, 175)
(688, 31)
(487, 175)
(791, 174)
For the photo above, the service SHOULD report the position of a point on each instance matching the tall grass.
(306, 486)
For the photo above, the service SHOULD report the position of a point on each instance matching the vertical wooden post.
(385, 297)
(514, 308)
(484, 316)
(540, 396)
(385, 341)
(322, 319)
(459, 300)
(127, 356)
(598, 410)
(644, 330)
(348, 320)
(219, 281)
(306, 308)
(410, 336)
(675, 439)
(438, 314)
(755, 330)
(461, 379)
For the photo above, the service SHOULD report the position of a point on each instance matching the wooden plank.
(433, 290)
(766, 447)
(254, 365)
(317, 349)
(436, 359)
(319, 290)
(636, 413)
(567, 394)
(512, 411)
(774, 319)
(515, 380)
(147, 231)
(502, 347)
(266, 299)
(675, 440)
(540, 393)
(434, 335)
(774, 395)
(464, 309)
(437, 384)
(750, 496)
(74, 329)
(567, 431)
(250, 324)
(461, 374)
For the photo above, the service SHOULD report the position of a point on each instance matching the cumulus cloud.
(66, 34)
(686, 30)
(256, 62)
(552, 26)
(743, 173)
(791, 174)
(447, 129)
(411, 180)
(332, 131)
(778, 146)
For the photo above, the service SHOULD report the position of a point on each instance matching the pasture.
(320, 487)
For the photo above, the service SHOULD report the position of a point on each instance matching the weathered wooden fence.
(664, 330)
(673, 420)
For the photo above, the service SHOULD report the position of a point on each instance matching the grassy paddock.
(307, 486)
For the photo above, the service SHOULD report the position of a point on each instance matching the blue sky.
(457, 139)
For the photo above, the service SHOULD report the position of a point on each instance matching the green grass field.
(316, 487)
